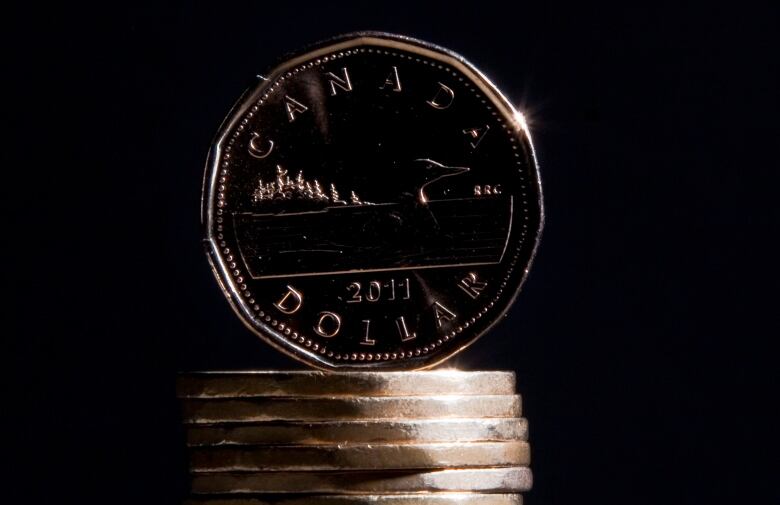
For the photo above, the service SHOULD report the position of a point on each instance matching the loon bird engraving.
(416, 223)
(413, 216)
(433, 171)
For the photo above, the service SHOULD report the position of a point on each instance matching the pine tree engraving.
(283, 187)
(334, 195)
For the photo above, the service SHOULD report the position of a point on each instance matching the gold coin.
(488, 480)
(347, 407)
(339, 432)
(360, 457)
(311, 383)
(372, 499)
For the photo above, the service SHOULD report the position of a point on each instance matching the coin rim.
(425, 481)
(223, 410)
(243, 434)
(360, 457)
(250, 96)
(433, 498)
(315, 383)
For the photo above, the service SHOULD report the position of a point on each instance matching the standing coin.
(314, 383)
(345, 407)
(361, 431)
(486, 480)
(373, 202)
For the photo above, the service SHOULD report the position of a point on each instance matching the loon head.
(431, 171)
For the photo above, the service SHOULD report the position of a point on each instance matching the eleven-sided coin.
(343, 407)
(356, 432)
(360, 457)
(314, 383)
(373, 202)
(487, 480)
(387, 499)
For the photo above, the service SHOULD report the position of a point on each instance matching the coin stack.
(349, 438)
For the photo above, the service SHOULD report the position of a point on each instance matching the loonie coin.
(360, 457)
(305, 383)
(341, 407)
(373, 202)
(349, 432)
(488, 480)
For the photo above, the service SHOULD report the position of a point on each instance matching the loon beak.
(446, 169)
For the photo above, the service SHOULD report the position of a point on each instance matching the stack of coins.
(395, 438)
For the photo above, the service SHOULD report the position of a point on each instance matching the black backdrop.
(638, 339)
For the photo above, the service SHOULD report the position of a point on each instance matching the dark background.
(641, 339)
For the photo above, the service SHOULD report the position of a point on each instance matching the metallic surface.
(374, 202)
(357, 432)
(408, 499)
(303, 383)
(360, 457)
(345, 407)
(488, 480)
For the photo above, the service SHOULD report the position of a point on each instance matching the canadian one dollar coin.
(373, 202)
